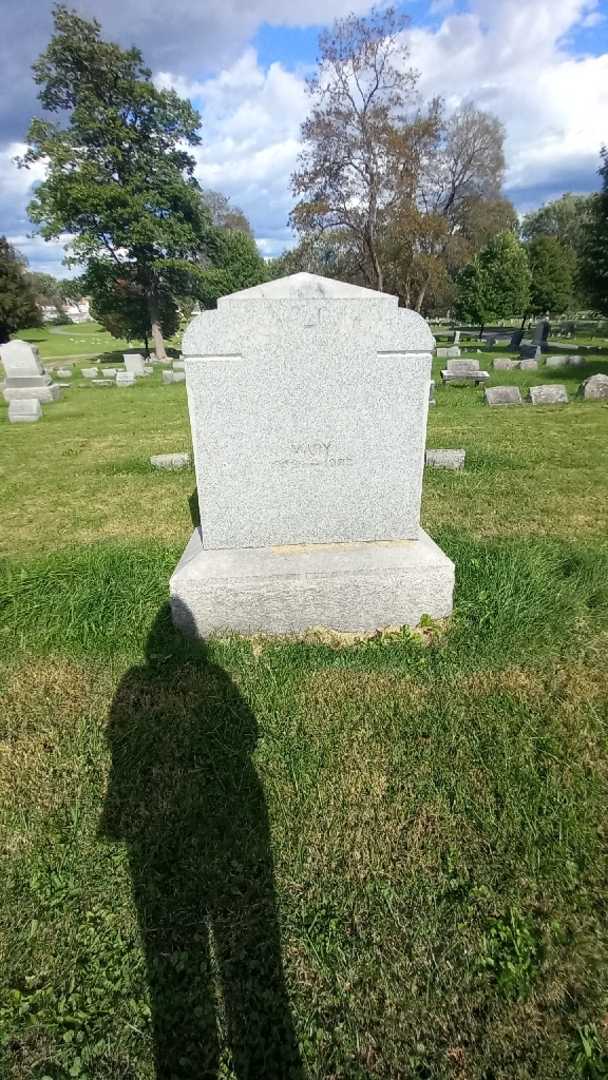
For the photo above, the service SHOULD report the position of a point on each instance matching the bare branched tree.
(365, 137)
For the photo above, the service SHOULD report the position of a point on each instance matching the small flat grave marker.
(595, 388)
(445, 459)
(170, 461)
(503, 395)
(24, 410)
(548, 394)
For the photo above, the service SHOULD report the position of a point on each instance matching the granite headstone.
(25, 375)
(308, 402)
(503, 395)
(549, 394)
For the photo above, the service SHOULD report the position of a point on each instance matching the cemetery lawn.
(413, 826)
(76, 340)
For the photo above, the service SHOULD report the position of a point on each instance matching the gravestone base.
(282, 590)
(44, 394)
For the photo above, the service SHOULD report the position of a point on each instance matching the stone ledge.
(345, 587)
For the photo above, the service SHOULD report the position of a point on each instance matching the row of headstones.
(595, 388)
(135, 367)
(28, 385)
(531, 363)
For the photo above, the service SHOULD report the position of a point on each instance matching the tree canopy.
(119, 174)
(552, 268)
(594, 257)
(18, 302)
(496, 284)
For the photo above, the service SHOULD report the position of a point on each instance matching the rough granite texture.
(125, 378)
(20, 359)
(504, 364)
(308, 402)
(173, 376)
(89, 372)
(595, 388)
(528, 365)
(64, 373)
(24, 411)
(26, 378)
(445, 459)
(134, 363)
(556, 361)
(170, 461)
(503, 395)
(44, 394)
(282, 590)
(549, 394)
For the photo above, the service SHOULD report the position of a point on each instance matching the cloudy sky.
(540, 65)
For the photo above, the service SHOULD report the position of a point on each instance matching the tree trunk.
(157, 334)
(146, 345)
(420, 299)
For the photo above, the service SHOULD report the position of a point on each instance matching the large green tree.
(119, 175)
(594, 259)
(552, 268)
(235, 263)
(496, 284)
(564, 219)
(18, 304)
(119, 303)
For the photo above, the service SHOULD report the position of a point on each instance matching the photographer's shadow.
(185, 797)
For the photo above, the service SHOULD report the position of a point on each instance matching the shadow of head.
(179, 728)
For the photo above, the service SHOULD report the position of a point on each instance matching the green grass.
(77, 341)
(322, 858)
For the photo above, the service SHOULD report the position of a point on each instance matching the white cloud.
(251, 124)
(510, 58)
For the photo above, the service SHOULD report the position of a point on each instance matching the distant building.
(78, 311)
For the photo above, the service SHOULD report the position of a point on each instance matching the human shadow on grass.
(185, 797)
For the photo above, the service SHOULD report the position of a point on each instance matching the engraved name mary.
(312, 453)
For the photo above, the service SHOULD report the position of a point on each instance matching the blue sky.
(540, 65)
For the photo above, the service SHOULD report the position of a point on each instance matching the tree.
(406, 186)
(223, 214)
(329, 254)
(361, 153)
(47, 290)
(119, 303)
(234, 264)
(119, 175)
(563, 218)
(496, 284)
(594, 255)
(552, 268)
(18, 306)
